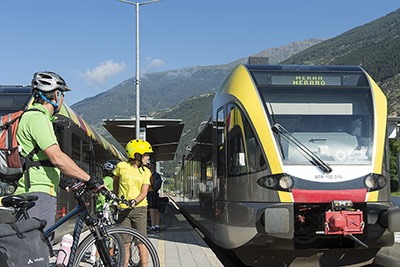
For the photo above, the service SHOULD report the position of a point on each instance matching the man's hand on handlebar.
(95, 183)
(66, 183)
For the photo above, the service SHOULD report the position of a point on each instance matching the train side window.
(220, 143)
(236, 159)
(244, 152)
(256, 159)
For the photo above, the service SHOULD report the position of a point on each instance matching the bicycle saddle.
(17, 201)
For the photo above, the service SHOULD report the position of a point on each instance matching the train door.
(221, 168)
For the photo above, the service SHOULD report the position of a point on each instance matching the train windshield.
(335, 122)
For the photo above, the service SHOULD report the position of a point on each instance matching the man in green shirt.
(35, 130)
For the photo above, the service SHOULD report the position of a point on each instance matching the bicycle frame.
(84, 217)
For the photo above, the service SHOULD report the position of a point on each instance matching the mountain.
(166, 89)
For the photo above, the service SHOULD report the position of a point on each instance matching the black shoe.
(157, 229)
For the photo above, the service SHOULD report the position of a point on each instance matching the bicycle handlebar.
(108, 194)
(111, 196)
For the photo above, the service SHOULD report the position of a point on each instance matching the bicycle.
(108, 240)
(166, 214)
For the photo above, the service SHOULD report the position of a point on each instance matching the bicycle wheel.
(166, 216)
(134, 260)
(87, 254)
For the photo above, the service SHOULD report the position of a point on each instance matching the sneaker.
(157, 229)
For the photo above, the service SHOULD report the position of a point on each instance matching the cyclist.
(108, 169)
(35, 131)
(132, 179)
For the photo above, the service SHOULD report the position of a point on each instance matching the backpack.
(24, 244)
(12, 163)
(157, 182)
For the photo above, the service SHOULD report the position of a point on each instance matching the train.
(291, 167)
(76, 138)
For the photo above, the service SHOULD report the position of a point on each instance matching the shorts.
(153, 199)
(133, 218)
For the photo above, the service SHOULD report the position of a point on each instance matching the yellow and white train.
(292, 165)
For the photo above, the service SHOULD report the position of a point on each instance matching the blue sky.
(91, 43)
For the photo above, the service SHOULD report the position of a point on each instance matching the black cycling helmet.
(110, 165)
(47, 81)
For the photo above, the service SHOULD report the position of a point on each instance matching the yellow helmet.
(138, 146)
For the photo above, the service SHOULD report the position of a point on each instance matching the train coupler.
(341, 220)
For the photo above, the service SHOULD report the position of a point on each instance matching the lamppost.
(137, 80)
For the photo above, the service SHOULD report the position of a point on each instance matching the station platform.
(179, 246)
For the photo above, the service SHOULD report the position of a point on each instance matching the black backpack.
(157, 182)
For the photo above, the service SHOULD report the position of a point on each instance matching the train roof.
(66, 111)
(301, 68)
(18, 89)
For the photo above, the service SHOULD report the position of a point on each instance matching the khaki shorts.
(133, 218)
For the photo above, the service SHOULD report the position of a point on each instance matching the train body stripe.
(373, 196)
(381, 117)
(325, 196)
(241, 86)
(285, 196)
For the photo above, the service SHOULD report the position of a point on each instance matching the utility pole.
(137, 80)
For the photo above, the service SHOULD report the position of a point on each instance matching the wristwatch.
(134, 202)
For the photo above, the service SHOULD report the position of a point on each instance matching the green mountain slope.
(192, 111)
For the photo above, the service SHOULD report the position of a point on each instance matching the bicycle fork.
(101, 245)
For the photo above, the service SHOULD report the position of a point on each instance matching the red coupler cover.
(344, 222)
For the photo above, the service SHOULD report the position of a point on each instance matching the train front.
(325, 147)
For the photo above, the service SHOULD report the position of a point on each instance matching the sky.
(92, 43)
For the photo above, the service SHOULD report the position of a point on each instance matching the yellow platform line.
(161, 249)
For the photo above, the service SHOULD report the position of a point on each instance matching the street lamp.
(137, 80)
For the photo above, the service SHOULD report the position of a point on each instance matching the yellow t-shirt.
(131, 180)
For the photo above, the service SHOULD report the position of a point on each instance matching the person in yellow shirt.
(132, 180)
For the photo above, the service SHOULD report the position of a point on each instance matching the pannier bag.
(23, 244)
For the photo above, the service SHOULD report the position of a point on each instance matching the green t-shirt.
(36, 128)
(101, 199)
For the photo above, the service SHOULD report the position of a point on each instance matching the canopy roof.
(162, 134)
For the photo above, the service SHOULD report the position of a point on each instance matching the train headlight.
(381, 181)
(270, 182)
(371, 182)
(286, 182)
(280, 181)
(375, 181)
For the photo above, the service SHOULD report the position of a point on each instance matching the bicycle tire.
(86, 256)
(118, 231)
(166, 217)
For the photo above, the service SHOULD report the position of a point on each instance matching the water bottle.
(65, 250)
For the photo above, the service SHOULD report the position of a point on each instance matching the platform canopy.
(162, 134)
